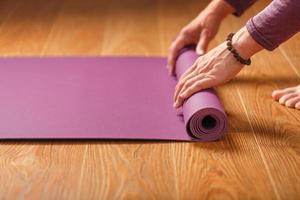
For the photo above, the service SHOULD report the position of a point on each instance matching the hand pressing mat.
(103, 98)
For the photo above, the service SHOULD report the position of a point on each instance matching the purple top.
(279, 21)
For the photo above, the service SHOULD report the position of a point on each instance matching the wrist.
(245, 45)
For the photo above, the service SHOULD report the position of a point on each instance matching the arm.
(205, 26)
(275, 24)
(201, 30)
(216, 67)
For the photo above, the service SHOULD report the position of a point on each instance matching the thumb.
(203, 43)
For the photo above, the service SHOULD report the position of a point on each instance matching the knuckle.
(188, 83)
(205, 31)
(181, 81)
(185, 32)
(184, 87)
(180, 85)
(172, 47)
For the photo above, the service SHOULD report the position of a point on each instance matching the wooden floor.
(258, 159)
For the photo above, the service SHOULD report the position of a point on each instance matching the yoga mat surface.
(102, 97)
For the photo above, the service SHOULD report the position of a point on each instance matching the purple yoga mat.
(203, 113)
(104, 98)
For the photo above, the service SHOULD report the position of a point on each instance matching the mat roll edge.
(204, 116)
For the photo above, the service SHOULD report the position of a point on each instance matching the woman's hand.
(216, 67)
(201, 30)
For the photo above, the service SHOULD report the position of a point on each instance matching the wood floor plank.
(276, 128)
(218, 166)
(7, 7)
(129, 170)
(78, 29)
(25, 31)
(258, 159)
(32, 170)
(132, 28)
(291, 51)
(38, 170)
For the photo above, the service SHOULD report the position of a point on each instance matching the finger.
(286, 97)
(176, 46)
(203, 43)
(196, 87)
(197, 64)
(277, 94)
(182, 84)
(191, 82)
(186, 84)
(191, 72)
(297, 106)
(292, 102)
(188, 74)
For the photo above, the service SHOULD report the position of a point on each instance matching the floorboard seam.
(259, 149)
(175, 171)
(105, 32)
(81, 170)
(282, 51)
(159, 26)
(50, 32)
(10, 13)
(6, 18)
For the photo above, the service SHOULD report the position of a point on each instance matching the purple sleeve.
(240, 5)
(276, 23)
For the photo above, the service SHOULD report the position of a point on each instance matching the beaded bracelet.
(234, 51)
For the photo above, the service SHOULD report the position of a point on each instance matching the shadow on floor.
(249, 80)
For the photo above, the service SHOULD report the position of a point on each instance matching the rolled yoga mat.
(102, 98)
(203, 113)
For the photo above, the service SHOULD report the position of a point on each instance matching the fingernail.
(175, 105)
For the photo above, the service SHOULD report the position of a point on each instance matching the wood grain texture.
(258, 159)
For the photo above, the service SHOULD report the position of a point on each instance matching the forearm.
(245, 45)
(276, 23)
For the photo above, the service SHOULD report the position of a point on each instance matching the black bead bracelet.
(234, 51)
